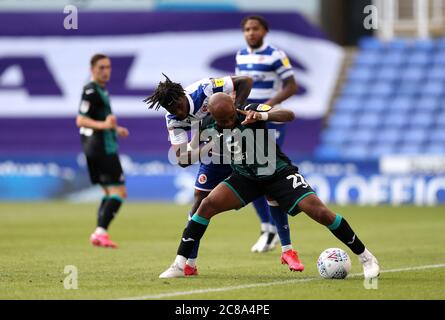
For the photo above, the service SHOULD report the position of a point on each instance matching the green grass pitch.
(37, 241)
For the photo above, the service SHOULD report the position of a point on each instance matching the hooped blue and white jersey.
(267, 66)
(198, 95)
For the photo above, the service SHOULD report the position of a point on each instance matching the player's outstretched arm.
(278, 115)
(242, 85)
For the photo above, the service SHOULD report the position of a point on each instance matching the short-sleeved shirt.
(267, 66)
(248, 158)
(198, 95)
(95, 104)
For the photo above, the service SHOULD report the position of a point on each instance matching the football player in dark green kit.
(252, 177)
(99, 131)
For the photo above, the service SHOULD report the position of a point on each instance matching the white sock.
(264, 227)
(180, 261)
(286, 248)
(192, 262)
(272, 229)
(100, 230)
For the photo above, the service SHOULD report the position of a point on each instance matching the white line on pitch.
(267, 284)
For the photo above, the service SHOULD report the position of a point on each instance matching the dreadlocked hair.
(166, 94)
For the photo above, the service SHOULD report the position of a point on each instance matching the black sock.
(341, 229)
(110, 209)
(101, 208)
(192, 233)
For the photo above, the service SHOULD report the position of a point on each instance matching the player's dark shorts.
(210, 175)
(106, 170)
(287, 187)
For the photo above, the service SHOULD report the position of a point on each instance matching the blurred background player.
(99, 131)
(273, 82)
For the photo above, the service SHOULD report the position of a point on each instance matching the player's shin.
(341, 229)
(282, 225)
(109, 211)
(192, 233)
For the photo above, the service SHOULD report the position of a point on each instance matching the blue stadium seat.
(375, 104)
(435, 149)
(423, 45)
(381, 150)
(348, 104)
(355, 88)
(395, 120)
(439, 58)
(327, 152)
(370, 43)
(334, 136)
(401, 104)
(421, 120)
(418, 58)
(440, 119)
(432, 88)
(368, 120)
(367, 58)
(408, 88)
(382, 89)
(342, 120)
(409, 149)
(393, 58)
(387, 73)
(437, 73)
(355, 151)
(362, 73)
(388, 136)
(414, 136)
(426, 103)
(362, 136)
(413, 73)
(438, 136)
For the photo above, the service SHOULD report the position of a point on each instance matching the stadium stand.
(392, 102)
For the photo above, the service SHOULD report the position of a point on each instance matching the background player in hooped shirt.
(273, 82)
(186, 107)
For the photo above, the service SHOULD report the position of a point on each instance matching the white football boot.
(371, 268)
(174, 271)
(261, 244)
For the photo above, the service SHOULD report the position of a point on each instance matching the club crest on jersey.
(84, 106)
(263, 107)
(202, 178)
(217, 82)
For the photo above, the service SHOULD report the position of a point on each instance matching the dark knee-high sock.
(109, 211)
(262, 209)
(194, 253)
(101, 209)
(282, 224)
(341, 229)
(192, 233)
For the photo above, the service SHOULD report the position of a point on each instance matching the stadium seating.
(392, 102)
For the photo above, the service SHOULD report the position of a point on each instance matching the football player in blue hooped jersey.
(186, 107)
(273, 82)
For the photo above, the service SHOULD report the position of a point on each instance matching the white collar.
(263, 47)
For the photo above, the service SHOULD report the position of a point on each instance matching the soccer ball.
(334, 263)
